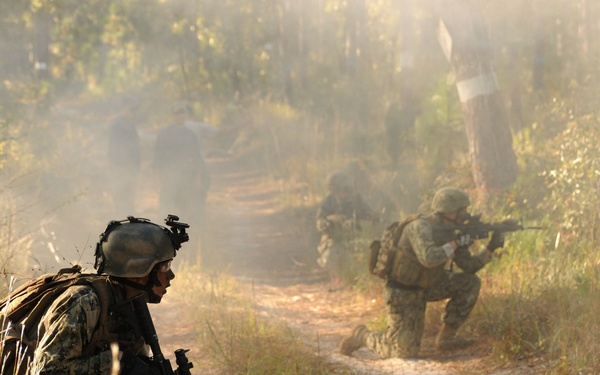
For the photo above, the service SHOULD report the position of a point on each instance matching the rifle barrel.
(150, 336)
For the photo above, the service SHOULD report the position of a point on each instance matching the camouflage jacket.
(355, 207)
(421, 260)
(66, 328)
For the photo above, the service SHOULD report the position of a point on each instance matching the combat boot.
(355, 341)
(447, 339)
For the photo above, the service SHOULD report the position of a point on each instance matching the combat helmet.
(339, 180)
(180, 107)
(450, 199)
(131, 103)
(133, 247)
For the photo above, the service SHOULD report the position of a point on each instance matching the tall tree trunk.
(288, 45)
(588, 29)
(541, 35)
(303, 44)
(351, 43)
(355, 46)
(408, 92)
(464, 38)
(42, 21)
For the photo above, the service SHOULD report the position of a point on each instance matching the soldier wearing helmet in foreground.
(422, 277)
(136, 255)
(338, 216)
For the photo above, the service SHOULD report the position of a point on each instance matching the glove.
(464, 240)
(336, 218)
(496, 242)
(131, 364)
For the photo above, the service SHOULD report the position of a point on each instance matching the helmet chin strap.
(153, 281)
(148, 288)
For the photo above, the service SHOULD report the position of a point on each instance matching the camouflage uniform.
(334, 235)
(406, 303)
(67, 327)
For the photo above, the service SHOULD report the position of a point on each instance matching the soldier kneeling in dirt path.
(338, 217)
(419, 276)
(77, 330)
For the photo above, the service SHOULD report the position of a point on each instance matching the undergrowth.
(239, 339)
(540, 300)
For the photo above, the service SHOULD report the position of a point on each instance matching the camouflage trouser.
(406, 313)
(331, 253)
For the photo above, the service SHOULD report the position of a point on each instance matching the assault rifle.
(476, 229)
(158, 361)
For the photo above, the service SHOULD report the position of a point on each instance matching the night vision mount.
(178, 232)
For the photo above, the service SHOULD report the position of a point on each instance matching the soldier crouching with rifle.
(418, 275)
(77, 331)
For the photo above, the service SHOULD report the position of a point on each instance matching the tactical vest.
(406, 268)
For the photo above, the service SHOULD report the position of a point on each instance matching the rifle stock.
(158, 361)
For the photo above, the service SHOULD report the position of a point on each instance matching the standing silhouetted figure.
(179, 163)
(124, 158)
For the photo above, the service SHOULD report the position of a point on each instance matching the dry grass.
(536, 305)
(237, 338)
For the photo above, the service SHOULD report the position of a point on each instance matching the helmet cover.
(132, 249)
(339, 180)
(450, 199)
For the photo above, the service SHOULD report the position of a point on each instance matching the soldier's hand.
(336, 218)
(131, 364)
(448, 249)
(464, 240)
(496, 242)
(485, 256)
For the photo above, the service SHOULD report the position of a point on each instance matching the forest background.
(320, 79)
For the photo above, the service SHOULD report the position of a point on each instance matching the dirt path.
(263, 248)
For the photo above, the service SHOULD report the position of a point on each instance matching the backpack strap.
(30, 310)
(101, 336)
(400, 227)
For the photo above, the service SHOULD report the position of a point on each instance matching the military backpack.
(383, 251)
(22, 309)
